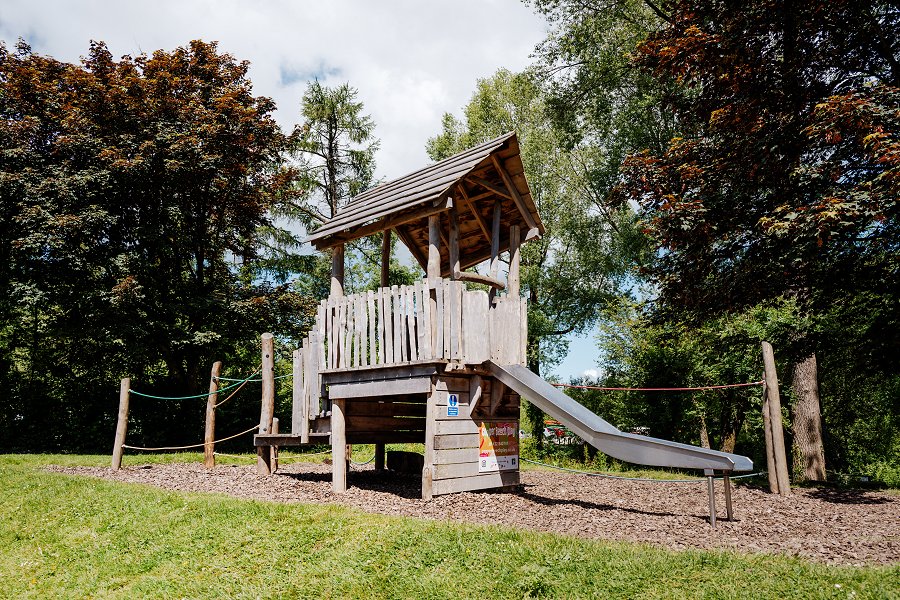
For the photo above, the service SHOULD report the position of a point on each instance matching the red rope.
(660, 389)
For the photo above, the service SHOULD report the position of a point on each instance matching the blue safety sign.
(453, 406)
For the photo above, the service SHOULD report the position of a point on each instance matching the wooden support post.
(209, 435)
(515, 258)
(386, 258)
(274, 449)
(430, 431)
(495, 246)
(774, 398)
(711, 488)
(433, 276)
(454, 244)
(121, 422)
(434, 248)
(337, 270)
(495, 240)
(379, 456)
(267, 412)
(338, 446)
(729, 513)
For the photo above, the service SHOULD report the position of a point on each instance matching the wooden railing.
(405, 324)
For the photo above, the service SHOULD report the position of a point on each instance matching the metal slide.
(629, 447)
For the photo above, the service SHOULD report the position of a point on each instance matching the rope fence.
(243, 383)
(194, 396)
(646, 479)
(660, 389)
(200, 445)
(288, 376)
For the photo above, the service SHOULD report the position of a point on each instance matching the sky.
(411, 61)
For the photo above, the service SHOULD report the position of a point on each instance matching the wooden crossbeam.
(479, 278)
(488, 185)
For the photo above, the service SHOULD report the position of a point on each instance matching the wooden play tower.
(410, 363)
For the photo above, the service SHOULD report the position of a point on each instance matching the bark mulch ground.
(850, 527)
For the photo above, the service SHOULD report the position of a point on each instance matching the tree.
(596, 97)
(783, 182)
(335, 149)
(133, 194)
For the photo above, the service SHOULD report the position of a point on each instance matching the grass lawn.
(73, 537)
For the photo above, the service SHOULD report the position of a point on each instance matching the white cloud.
(591, 374)
(410, 60)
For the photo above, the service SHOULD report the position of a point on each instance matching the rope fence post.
(263, 454)
(121, 423)
(775, 420)
(209, 448)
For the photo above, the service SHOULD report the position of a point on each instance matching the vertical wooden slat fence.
(400, 324)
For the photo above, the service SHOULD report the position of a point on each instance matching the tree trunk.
(732, 420)
(809, 453)
(704, 433)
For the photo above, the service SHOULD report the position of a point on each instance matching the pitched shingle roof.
(402, 204)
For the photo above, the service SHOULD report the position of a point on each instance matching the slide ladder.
(628, 447)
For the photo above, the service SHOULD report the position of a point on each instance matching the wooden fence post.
(122, 422)
(209, 435)
(771, 468)
(775, 420)
(267, 411)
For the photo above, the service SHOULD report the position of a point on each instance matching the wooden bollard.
(267, 412)
(209, 436)
(121, 423)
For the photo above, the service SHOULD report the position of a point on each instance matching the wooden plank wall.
(454, 456)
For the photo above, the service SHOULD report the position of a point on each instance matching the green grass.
(76, 537)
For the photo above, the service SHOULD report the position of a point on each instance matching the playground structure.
(434, 362)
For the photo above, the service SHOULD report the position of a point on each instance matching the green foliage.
(334, 146)
(135, 199)
(763, 164)
(783, 180)
(89, 538)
